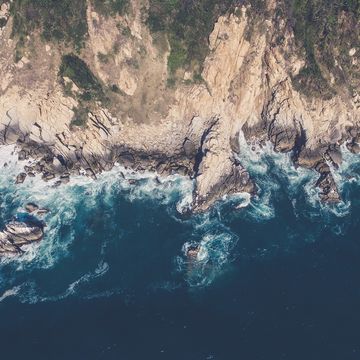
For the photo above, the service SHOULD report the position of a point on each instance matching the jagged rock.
(21, 233)
(192, 252)
(38, 167)
(23, 155)
(90, 172)
(106, 165)
(65, 178)
(31, 174)
(283, 139)
(353, 147)
(31, 207)
(329, 192)
(47, 176)
(20, 178)
(28, 168)
(335, 156)
(42, 211)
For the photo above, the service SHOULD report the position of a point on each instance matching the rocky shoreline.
(51, 166)
(190, 128)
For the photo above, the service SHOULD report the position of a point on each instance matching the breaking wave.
(86, 249)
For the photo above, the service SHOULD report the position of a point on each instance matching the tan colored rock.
(247, 83)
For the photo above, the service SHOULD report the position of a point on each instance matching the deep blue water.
(278, 279)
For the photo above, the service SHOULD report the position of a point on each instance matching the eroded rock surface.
(190, 129)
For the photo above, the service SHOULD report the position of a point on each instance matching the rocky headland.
(126, 96)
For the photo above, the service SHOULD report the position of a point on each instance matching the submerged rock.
(31, 207)
(20, 178)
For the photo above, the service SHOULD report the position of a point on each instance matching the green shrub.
(61, 21)
(3, 22)
(80, 116)
(188, 25)
(78, 71)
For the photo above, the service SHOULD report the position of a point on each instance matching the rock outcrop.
(24, 229)
(17, 234)
(192, 129)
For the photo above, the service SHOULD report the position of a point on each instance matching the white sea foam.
(10, 292)
(216, 241)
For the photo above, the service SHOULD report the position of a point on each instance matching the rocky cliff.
(118, 98)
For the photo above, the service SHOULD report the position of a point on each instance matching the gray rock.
(48, 176)
(21, 233)
(31, 207)
(28, 168)
(65, 178)
(42, 211)
(23, 155)
(20, 178)
(353, 147)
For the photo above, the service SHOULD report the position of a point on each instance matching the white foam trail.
(10, 292)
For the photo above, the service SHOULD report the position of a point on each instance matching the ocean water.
(277, 276)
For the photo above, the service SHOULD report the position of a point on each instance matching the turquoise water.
(277, 276)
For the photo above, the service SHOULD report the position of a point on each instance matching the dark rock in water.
(65, 178)
(5, 165)
(23, 230)
(42, 211)
(20, 178)
(31, 207)
(23, 155)
(48, 176)
(329, 192)
(353, 147)
(21, 233)
(38, 167)
(57, 183)
(132, 181)
(17, 234)
(31, 174)
(28, 168)
(192, 252)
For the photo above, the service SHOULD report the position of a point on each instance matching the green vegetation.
(90, 87)
(80, 116)
(62, 21)
(3, 22)
(318, 28)
(77, 70)
(188, 25)
(110, 7)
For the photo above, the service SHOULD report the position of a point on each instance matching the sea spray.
(79, 209)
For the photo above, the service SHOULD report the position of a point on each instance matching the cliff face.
(130, 113)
